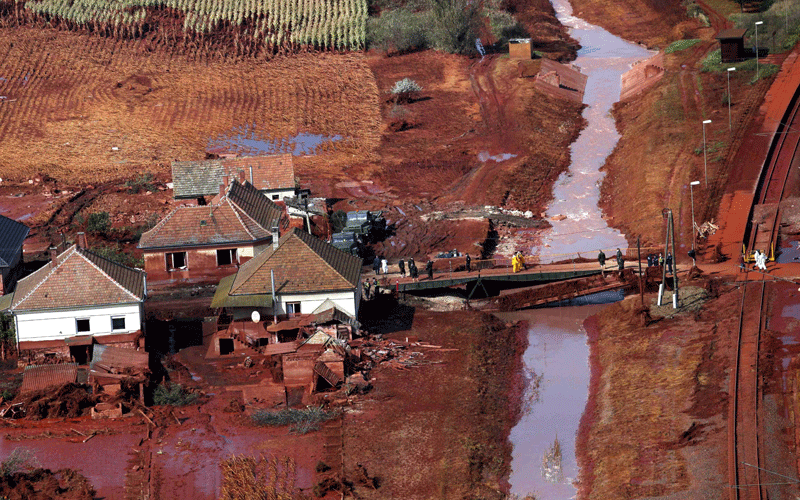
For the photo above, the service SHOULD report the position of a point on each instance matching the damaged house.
(79, 298)
(294, 278)
(272, 175)
(201, 244)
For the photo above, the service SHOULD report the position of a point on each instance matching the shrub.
(173, 395)
(454, 25)
(143, 182)
(19, 460)
(404, 90)
(338, 220)
(504, 26)
(98, 222)
(399, 30)
(119, 256)
(301, 421)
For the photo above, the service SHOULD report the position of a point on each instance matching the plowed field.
(84, 108)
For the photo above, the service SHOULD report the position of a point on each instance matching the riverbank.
(440, 430)
(654, 424)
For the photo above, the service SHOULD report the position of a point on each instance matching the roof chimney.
(53, 257)
(275, 237)
(222, 187)
(82, 240)
(251, 175)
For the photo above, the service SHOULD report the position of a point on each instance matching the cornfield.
(259, 478)
(248, 27)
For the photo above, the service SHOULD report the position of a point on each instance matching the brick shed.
(520, 48)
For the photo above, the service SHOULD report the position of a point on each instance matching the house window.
(176, 260)
(82, 325)
(226, 257)
(118, 323)
(292, 308)
(275, 197)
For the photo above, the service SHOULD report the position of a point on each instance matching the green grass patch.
(301, 421)
(679, 45)
(173, 395)
(713, 64)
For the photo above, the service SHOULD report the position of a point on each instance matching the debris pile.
(372, 352)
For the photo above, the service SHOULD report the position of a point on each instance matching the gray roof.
(12, 234)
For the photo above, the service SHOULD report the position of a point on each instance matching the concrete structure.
(561, 80)
(272, 175)
(307, 271)
(642, 75)
(12, 234)
(201, 244)
(520, 48)
(731, 44)
(79, 298)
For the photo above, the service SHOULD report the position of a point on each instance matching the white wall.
(346, 301)
(57, 325)
(282, 193)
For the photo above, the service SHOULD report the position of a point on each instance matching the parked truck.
(348, 242)
(370, 225)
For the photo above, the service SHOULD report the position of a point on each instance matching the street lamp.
(691, 193)
(757, 23)
(730, 127)
(705, 155)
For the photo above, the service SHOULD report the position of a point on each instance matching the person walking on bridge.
(468, 263)
(429, 268)
(601, 258)
(669, 262)
(412, 269)
(402, 265)
(620, 262)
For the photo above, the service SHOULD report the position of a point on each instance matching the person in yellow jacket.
(514, 263)
(521, 260)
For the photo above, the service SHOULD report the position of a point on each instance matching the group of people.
(371, 290)
(601, 259)
(380, 265)
(413, 272)
(654, 260)
(517, 262)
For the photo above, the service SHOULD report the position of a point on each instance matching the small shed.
(731, 43)
(520, 48)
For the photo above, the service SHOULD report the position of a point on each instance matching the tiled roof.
(302, 263)
(193, 179)
(79, 278)
(38, 377)
(12, 234)
(731, 33)
(242, 215)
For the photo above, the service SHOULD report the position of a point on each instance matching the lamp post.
(730, 126)
(705, 155)
(757, 24)
(691, 194)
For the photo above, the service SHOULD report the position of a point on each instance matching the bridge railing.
(458, 264)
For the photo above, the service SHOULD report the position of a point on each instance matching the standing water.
(603, 58)
(543, 461)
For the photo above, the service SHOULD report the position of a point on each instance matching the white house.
(307, 272)
(77, 299)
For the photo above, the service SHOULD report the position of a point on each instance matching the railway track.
(746, 465)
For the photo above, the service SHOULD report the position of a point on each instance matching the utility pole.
(669, 241)
(641, 278)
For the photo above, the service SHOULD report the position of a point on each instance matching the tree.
(7, 334)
